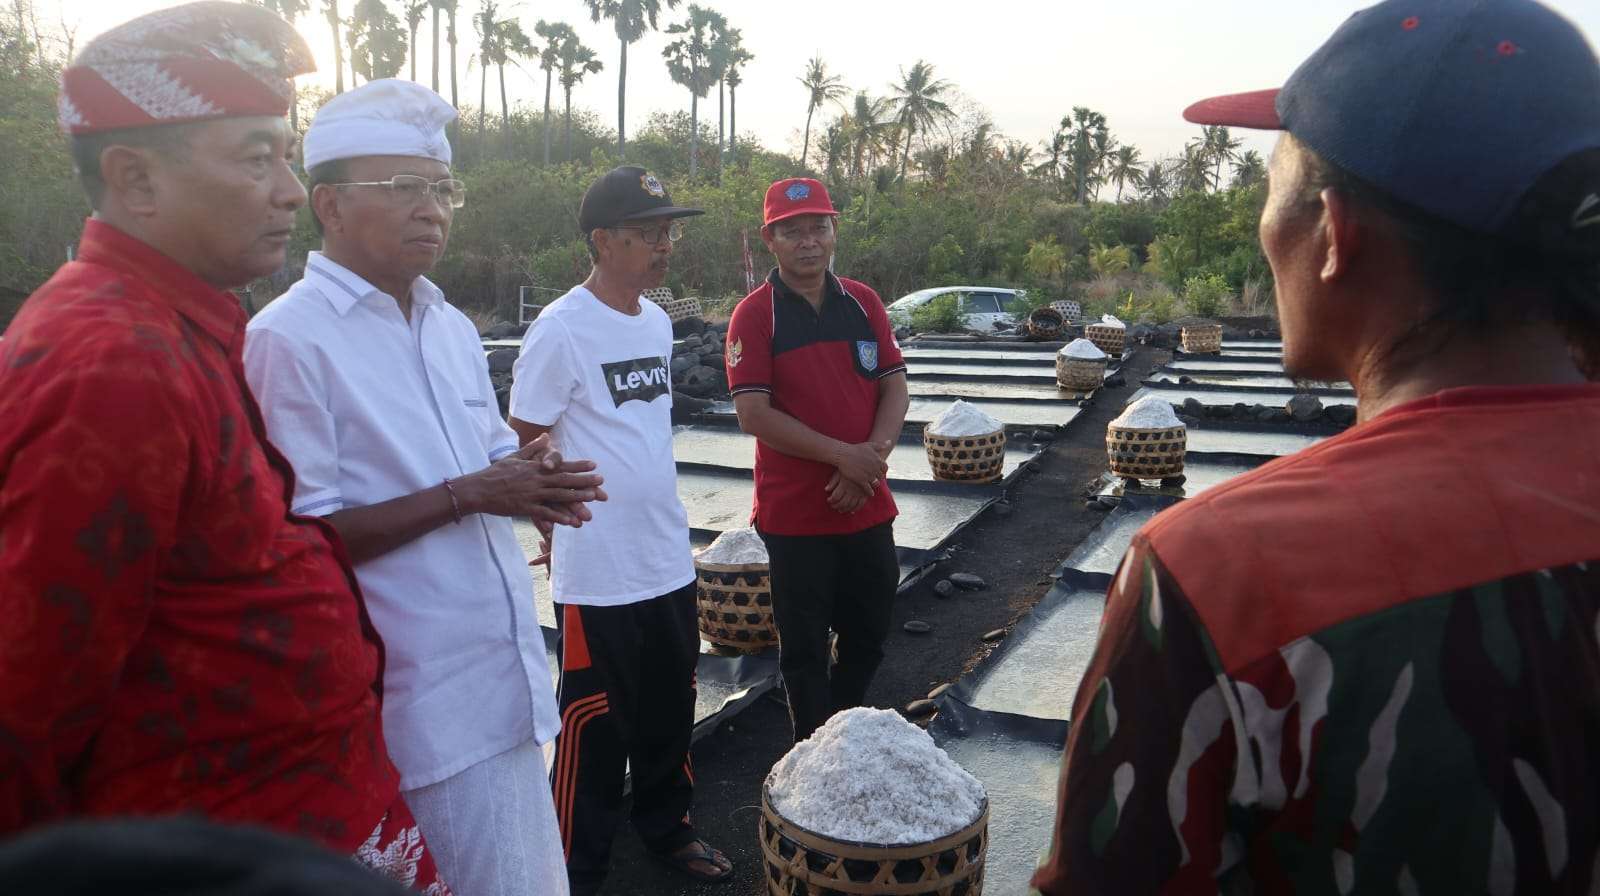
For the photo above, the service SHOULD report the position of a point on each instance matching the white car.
(984, 306)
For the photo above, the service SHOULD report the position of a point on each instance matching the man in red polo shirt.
(818, 379)
(174, 639)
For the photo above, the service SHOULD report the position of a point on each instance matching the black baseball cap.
(1456, 107)
(627, 193)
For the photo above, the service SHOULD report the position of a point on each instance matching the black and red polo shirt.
(821, 368)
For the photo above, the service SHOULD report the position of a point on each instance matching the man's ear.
(126, 172)
(1343, 234)
(766, 237)
(325, 205)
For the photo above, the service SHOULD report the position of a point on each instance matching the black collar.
(831, 289)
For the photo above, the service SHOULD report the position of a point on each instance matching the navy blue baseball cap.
(1455, 107)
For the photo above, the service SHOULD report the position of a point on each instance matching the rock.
(1304, 408)
(919, 708)
(1258, 334)
(1185, 380)
(701, 382)
(1342, 414)
(682, 364)
(996, 635)
(1174, 481)
(688, 403)
(501, 360)
(689, 326)
(1241, 411)
(940, 691)
(1268, 415)
(1108, 502)
(1219, 412)
(917, 627)
(711, 356)
(1193, 407)
(692, 343)
(966, 581)
(944, 588)
(1141, 332)
(505, 330)
(1085, 403)
(1116, 382)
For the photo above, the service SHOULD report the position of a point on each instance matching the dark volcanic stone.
(501, 360)
(1185, 380)
(1342, 414)
(1193, 407)
(917, 627)
(944, 588)
(966, 581)
(1116, 382)
(940, 691)
(1304, 408)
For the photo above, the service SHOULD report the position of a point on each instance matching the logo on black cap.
(652, 186)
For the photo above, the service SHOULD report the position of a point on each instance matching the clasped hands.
(858, 470)
(535, 481)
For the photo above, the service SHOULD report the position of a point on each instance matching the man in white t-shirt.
(593, 374)
(377, 391)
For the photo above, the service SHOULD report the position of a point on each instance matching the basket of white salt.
(1201, 339)
(1147, 441)
(1045, 323)
(870, 805)
(1070, 310)
(1109, 335)
(1080, 366)
(734, 592)
(965, 445)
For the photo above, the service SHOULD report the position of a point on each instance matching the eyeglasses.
(411, 188)
(652, 233)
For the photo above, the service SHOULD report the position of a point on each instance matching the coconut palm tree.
(1221, 147)
(821, 87)
(870, 123)
(1249, 170)
(724, 44)
(438, 7)
(377, 41)
(511, 44)
(1088, 142)
(575, 61)
(689, 64)
(416, 11)
(1194, 169)
(733, 78)
(1125, 168)
(487, 21)
(631, 19)
(451, 7)
(918, 105)
(1156, 182)
(553, 35)
(1016, 156)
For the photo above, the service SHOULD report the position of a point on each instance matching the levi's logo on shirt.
(644, 379)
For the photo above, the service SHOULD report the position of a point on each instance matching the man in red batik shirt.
(175, 641)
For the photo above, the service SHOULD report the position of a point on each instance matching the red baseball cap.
(795, 196)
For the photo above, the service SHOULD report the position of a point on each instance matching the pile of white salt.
(1149, 412)
(870, 776)
(735, 547)
(962, 419)
(1082, 350)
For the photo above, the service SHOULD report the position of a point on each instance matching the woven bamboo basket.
(735, 605)
(966, 458)
(1070, 310)
(1107, 339)
(803, 863)
(1079, 374)
(1146, 453)
(1045, 323)
(1205, 339)
(681, 309)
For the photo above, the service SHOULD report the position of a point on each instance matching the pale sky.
(1025, 62)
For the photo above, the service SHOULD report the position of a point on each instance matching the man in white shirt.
(377, 391)
(593, 374)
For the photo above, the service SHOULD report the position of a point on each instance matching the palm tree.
(631, 19)
(1156, 182)
(734, 78)
(288, 10)
(576, 61)
(511, 44)
(1194, 169)
(487, 21)
(416, 11)
(1088, 142)
(1221, 147)
(1125, 168)
(869, 126)
(724, 44)
(1249, 170)
(689, 64)
(918, 104)
(835, 145)
(377, 41)
(438, 6)
(451, 7)
(330, 10)
(821, 87)
(553, 35)
(1016, 156)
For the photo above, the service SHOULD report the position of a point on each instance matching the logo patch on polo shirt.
(735, 353)
(867, 354)
(642, 379)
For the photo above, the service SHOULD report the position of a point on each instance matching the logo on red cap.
(797, 192)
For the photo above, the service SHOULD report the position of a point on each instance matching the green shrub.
(1207, 295)
(942, 315)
